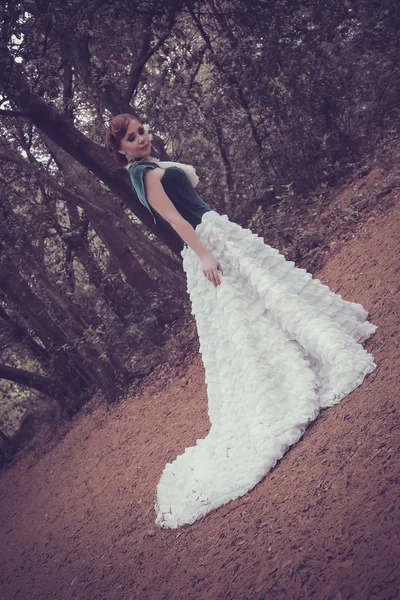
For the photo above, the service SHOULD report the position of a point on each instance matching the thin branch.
(14, 113)
(75, 198)
(196, 70)
(145, 54)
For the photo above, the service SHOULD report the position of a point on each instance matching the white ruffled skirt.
(277, 346)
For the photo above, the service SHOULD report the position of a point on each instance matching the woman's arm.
(159, 200)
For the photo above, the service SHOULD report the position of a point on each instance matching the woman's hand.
(211, 266)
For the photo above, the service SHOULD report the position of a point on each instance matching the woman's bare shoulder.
(154, 173)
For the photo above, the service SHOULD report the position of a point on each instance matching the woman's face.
(136, 141)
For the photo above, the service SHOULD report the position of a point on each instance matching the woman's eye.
(131, 138)
(141, 130)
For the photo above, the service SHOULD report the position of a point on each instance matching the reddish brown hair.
(116, 131)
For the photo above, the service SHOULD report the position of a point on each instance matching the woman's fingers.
(208, 274)
(213, 275)
(215, 278)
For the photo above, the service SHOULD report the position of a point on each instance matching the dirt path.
(78, 521)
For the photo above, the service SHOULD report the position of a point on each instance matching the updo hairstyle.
(116, 131)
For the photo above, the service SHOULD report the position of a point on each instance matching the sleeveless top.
(178, 188)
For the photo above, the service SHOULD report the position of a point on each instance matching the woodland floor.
(77, 511)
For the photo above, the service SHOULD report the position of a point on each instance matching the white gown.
(277, 346)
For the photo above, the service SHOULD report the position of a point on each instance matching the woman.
(277, 345)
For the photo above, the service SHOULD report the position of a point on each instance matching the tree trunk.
(80, 359)
(47, 386)
(22, 336)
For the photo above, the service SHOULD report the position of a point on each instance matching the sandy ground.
(77, 517)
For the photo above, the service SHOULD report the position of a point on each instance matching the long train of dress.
(277, 346)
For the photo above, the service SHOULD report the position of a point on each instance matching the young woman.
(277, 345)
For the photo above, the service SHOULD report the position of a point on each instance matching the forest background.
(274, 102)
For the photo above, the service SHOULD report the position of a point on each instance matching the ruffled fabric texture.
(277, 346)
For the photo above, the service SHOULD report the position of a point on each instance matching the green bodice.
(178, 188)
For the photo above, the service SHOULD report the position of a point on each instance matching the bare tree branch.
(77, 200)
(14, 113)
(145, 54)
